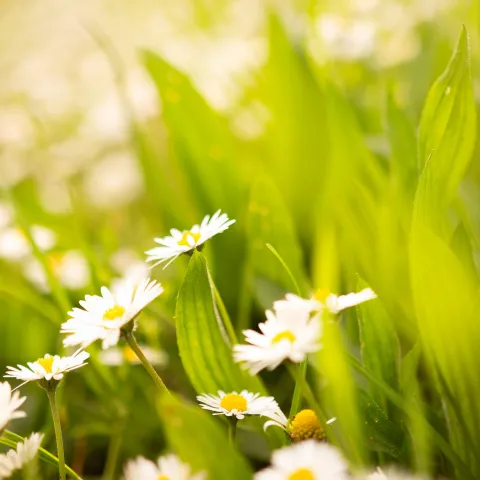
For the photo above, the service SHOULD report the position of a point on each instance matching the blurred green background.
(300, 120)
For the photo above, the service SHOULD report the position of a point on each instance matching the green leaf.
(269, 221)
(379, 345)
(201, 441)
(447, 133)
(202, 340)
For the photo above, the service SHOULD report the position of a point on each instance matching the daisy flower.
(103, 317)
(17, 458)
(167, 467)
(9, 404)
(240, 404)
(47, 368)
(309, 460)
(293, 305)
(182, 242)
(380, 474)
(115, 356)
(303, 426)
(282, 338)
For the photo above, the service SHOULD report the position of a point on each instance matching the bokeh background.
(120, 120)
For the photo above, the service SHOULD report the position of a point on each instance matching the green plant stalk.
(113, 453)
(305, 389)
(11, 439)
(132, 342)
(58, 432)
(232, 430)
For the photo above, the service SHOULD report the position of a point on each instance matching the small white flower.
(9, 404)
(389, 474)
(15, 459)
(102, 317)
(293, 305)
(181, 242)
(241, 404)
(115, 356)
(168, 467)
(308, 460)
(282, 338)
(49, 367)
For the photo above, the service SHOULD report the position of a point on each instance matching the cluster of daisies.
(292, 330)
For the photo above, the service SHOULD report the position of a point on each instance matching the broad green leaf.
(269, 222)
(202, 339)
(379, 345)
(201, 441)
(447, 133)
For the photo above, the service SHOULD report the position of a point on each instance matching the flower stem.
(298, 375)
(58, 432)
(112, 456)
(232, 430)
(129, 337)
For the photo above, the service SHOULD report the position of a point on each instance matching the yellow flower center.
(113, 312)
(321, 294)
(46, 363)
(305, 425)
(184, 240)
(302, 474)
(286, 335)
(232, 401)
(163, 477)
(129, 354)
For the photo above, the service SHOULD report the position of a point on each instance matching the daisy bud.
(305, 425)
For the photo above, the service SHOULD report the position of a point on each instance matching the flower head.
(238, 405)
(47, 368)
(9, 404)
(179, 242)
(389, 474)
(294, 306)
(169, 467)
(282, 338)
(103, 317)
(15, 459)
(309, 460)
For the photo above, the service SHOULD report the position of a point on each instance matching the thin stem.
(112, 456)
(232, 430)
(297, 394)
(58, 432)
(129, 337)
(307, 392)
(287, 269)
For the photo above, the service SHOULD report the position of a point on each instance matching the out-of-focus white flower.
(281, 338)
(9, 404)
(309, 460)
(118, 356)
(240, 404)
(6, 215)
(49, 367)
(15, 459)
(114, 181)
(128, 264)
(390, 474)
(181, 242)
(294, 305)
(167, 467)
(14, 244)
(103, 317)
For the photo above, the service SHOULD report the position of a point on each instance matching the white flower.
(292, 304)
(168, 467)
(118, 356)
(282, 338)
(49, 367)
(15, 459)
(390, 474)
(102, 317)
(181, 242)
(308, 460)
(241, 404)
(9, 404)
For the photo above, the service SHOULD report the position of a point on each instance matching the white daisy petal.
(180, 242)
(103, 317)
(284, 337)
(48, 367)
(168, 466)
(9, 404)
(17, 458)
(308, 459)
